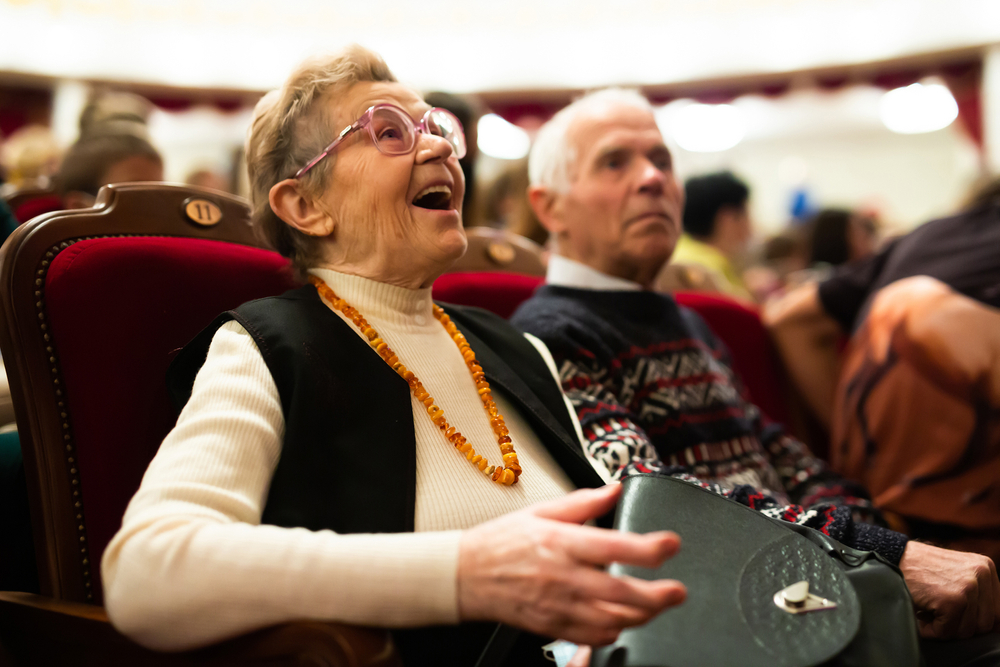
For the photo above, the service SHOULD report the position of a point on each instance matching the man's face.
(622, 213)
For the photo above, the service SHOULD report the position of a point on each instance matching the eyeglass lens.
(394, 133)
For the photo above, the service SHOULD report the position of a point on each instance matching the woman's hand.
(539, 570)
(956, 594)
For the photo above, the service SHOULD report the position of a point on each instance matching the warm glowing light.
(500, 139)
(707, 128)
(918, 108)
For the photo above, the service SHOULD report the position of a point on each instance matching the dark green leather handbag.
(746, 602)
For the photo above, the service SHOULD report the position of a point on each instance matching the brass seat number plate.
(202, 212)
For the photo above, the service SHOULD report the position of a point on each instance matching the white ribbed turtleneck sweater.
(192, 564)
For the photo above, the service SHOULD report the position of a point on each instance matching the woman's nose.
(431, 147)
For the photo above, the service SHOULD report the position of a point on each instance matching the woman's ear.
(298, 209)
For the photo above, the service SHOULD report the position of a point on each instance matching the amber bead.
(428, 402)
(510, 457)
(408, 375)
(370, 333)
(474, 366)
(516, 467)
(478, 375)
(469, 454)
(449, 432)
(393, 361)
(438, 420)
(506, 448)
(508, 478)
(497, 473)
(464, 447)
(490, 469)
(503, 440)
(483, 463)
(420, 394)
(476, 459)
(503, 432)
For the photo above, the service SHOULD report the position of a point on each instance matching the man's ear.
(298, 209)
(547, 206)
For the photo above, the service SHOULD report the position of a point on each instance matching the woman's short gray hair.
(552, 156)
(290, 126)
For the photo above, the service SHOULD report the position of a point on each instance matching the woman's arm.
(806, 338)
(191, 566)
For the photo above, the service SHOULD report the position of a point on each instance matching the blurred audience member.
(914, 406)
(97, 160)
(505, 204)
(838, 236)
(29, 156)
(717, 228)
(468, 110)
(206, 178)
(110, 112)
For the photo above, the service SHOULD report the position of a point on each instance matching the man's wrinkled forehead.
(611, 127)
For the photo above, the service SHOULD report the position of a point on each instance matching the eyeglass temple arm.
(326, 151)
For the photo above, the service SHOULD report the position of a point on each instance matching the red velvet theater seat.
(95, 305)
(497, 292)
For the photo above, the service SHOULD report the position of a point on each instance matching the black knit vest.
(348, 459)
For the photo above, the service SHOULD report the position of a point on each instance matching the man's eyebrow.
(611, 151)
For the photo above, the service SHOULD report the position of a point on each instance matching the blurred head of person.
(468, 110)
(114, 112)
(208, 178)
(98, 160)
(716, 212)
(30, 156)
(352, 171)
(505, 204)
(602, 183)
(838, 236)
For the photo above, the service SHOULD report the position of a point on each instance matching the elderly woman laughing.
(351, 451)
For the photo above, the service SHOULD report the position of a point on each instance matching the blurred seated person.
(28, 157)
(717, 228)
(322, 466)
(115, 112)
(838, 236)
(207, 178)
(914, 405)
(100, 159)
(467, 109)
(650, 382)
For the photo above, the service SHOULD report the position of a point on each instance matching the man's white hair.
(552, 155)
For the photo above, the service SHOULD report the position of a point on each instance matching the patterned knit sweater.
(655, 393)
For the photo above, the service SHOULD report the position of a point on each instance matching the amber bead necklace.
(505, 474)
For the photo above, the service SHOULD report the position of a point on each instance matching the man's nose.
(652, 181)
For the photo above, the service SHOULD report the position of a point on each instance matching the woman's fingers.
(653, 596)
(581, 505)
(597, 546)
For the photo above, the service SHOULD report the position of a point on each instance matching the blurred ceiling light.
(918, 108)
(500, 139)
(707, 128)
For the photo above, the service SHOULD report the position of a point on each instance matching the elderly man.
(650, 381)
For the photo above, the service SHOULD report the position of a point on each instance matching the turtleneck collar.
(397, 306)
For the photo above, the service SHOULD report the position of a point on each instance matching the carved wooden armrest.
(36, 630)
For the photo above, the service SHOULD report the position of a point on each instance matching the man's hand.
(539, 570)
(956, 594)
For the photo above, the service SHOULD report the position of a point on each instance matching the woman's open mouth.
(435, 198)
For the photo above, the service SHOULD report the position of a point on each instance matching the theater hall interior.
(752, 245)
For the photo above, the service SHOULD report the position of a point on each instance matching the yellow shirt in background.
(691, 251)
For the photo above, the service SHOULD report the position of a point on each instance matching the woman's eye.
(390, 133)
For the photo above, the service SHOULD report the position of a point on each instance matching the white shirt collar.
(570, 273)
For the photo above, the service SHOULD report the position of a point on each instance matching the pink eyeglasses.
(394, 133)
